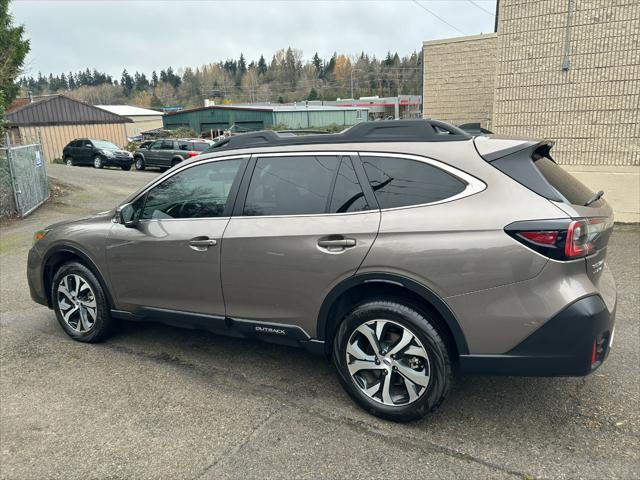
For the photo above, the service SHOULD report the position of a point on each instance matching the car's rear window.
(570, 187)
(200, 147)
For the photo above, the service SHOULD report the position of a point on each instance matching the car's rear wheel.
(97, 161)
(68, 161)
(125, 167)
(140, 163)
(80, 303)
(392, 361)
(175, 162)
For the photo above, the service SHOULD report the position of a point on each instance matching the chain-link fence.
(23, 179)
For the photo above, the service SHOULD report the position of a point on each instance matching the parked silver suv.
(401, 250)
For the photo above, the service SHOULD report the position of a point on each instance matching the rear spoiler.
(515, 158)
(474, 129)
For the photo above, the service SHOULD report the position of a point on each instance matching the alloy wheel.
(388, 363)
(97, 162)
(69, 162)
(77, 303)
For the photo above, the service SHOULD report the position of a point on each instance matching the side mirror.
(126, 215)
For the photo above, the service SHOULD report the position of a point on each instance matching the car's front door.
(171, 260)
(85, 152)
(166, 153)
(152, 155)
(305, 226)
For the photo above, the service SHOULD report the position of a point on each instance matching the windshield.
(104, 144)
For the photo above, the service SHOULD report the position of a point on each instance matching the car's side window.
(347, 193)
(291, 185)
(167, 145)
(400, 182)
(87, 144)
(156, 145)
(197, 192)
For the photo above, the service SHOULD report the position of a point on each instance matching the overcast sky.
(151, 35)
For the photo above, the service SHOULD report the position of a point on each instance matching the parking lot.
(161, 402)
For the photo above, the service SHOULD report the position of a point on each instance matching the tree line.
(287, 77)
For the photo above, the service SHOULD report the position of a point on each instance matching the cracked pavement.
(161, 402)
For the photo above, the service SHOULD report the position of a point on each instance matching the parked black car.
(99, 153)
(167, 152)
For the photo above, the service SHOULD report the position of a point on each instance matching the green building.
(217, 118)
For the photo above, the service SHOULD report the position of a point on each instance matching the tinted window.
(347, 193)
(290, 185)
(200, 147)
(571, 188)
(87, 143)
(156, 145)
(167, 145)
(197, 192)
(182, 145)
(398, 182)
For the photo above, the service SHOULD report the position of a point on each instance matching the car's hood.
(98, 217)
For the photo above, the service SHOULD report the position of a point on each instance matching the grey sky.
(147, 35)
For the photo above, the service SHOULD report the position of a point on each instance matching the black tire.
(441, 374)
(103, 324)
(139, 162)
(175, 162)
(98, 162)
(126, 168)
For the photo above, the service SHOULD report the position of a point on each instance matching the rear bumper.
(563, 346)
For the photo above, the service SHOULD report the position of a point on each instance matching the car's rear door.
(166, 153)
(301, 225)
(170, 262)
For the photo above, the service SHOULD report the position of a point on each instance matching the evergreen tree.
(262, 66)
(242, 66)
(317, 63)
(127, 83)
(154, 79)
(72, 81)
(313, 95)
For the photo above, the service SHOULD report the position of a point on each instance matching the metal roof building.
(258, 117)
(55, 120)
(143, 119)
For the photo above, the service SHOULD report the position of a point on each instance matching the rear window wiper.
(596, 196)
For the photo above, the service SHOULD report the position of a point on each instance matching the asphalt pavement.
(161, 402)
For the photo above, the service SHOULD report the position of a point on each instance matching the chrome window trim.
(474, 185)
(162, 178)
(186, 166)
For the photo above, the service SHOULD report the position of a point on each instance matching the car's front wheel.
(68, 161)
(140, 163)
(97, 162)
(80, 303)
(392, 360)
(126, 167)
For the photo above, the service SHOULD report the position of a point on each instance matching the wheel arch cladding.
(354, 290)
(62, 254)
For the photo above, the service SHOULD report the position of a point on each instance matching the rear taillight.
(193, 154)
(559, 239)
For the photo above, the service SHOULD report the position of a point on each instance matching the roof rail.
(474, 129)
(417, 130)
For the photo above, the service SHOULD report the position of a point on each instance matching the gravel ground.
(160, 402)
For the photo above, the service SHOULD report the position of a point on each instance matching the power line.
(481, 8)
(438, 17)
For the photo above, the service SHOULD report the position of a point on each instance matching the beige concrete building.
(571, 76)
(459, 79)
(142, 119)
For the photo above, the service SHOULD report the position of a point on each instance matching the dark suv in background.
(99, 153)
(167, 152)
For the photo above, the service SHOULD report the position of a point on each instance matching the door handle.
(338, 243)
(202, 243)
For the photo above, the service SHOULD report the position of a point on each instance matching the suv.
(401, 250)
(167, 152)
(99, 153)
